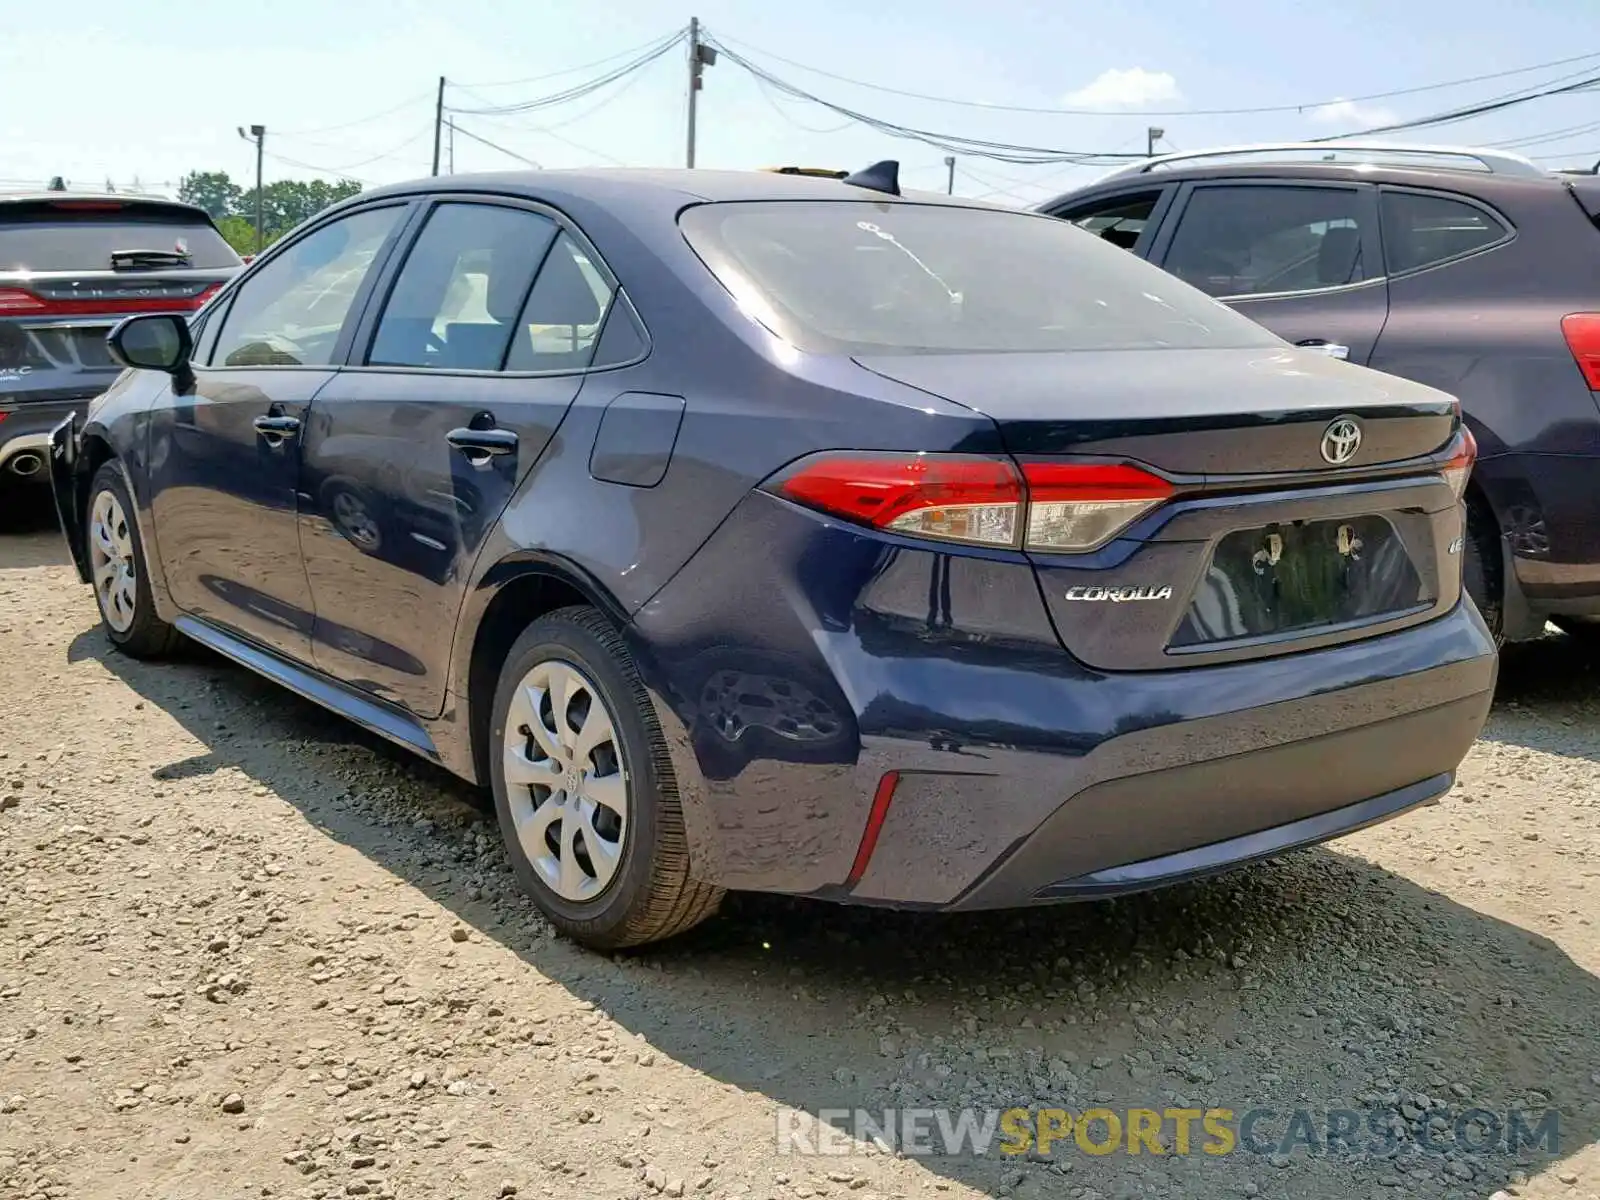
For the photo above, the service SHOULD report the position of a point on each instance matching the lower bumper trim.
(1251, 847)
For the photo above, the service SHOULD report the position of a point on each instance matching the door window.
(1242, 241)
(290, 313)
(561, 321)
(1420, 230)
(1118, 219)
(455, 303)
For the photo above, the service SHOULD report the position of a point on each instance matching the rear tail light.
(20, 302)
(1459, 468)
(15, 300)
(1054, 507)
(1582, 331)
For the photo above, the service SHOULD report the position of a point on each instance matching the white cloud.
(1132, 88)
(1347, 114)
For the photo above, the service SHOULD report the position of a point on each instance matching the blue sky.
(96, 90)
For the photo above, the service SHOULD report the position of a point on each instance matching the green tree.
(239, 232)
(212, 191)
(287, 203)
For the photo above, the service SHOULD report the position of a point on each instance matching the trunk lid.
(1265, 547)
(1205, 413)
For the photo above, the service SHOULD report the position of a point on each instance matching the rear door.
(465, 364)
(1304, 259)
(70, 268)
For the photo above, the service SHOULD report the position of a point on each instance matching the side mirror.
(153, 342)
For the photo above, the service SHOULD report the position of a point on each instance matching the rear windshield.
(863, 277)
(44, 237)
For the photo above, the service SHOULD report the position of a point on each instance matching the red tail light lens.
(1052, 507)
(956, 498)
(1459, 468)
(1582, 331)
(15, 300)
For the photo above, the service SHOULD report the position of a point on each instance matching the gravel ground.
(246, 950)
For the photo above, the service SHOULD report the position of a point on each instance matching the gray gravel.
(250, 951)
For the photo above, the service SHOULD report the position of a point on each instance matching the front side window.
(1243, 241)
(456, 301)
(291, 311)
(915, 278)
(1420, 230)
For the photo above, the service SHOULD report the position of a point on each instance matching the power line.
(378, 116)
(490, 114)
(579, 91)
(671, 39)
(1143, 113)
(344, 170)
(950, 143)
(462, 129)
(1452, 116)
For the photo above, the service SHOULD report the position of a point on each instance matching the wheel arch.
(516, 591)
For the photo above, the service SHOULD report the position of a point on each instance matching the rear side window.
(1119, 220)
(455, 303)
(1266, 240)
(912, 278)
(561, 321)
(67, 235)
(1420, 230)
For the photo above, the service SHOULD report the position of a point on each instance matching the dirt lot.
(247, 951)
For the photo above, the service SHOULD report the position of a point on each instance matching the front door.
(1303, 259)
(224, 454)
(411, 454)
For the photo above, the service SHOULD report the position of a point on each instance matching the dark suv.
(1472, 271)
(71, 266)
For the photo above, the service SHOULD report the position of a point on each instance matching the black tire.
(147, 636)
(652, 894)
(1481, 566)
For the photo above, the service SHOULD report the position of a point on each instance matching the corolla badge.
(1340, 441)
(1117, 595)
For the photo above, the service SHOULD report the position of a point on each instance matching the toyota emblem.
(1340, 441)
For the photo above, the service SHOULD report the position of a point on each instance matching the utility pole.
(950, 179)
(452, 125)
(438, 124)
(258, 135)
(1151, 137)
(701, 56)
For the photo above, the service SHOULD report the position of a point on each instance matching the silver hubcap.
(566, 781)
(111, 561)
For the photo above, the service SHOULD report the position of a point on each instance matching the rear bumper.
(1022, 776)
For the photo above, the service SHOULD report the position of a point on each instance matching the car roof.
(665, 186)
(1440, 179)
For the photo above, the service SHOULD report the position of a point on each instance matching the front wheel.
(117, 569)
(584, 790)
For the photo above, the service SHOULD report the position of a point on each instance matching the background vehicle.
(744, 530)
(71, 266)
(1470, 270)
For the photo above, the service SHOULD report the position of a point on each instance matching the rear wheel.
(584, 791)
(1480, 568)
(117, 569)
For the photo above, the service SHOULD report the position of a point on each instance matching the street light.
(1152, 135)
(258, 135)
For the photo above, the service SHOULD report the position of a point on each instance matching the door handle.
(276, 428)
(480, 445)
(1323, 346)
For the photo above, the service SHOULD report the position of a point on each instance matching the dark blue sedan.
(758, 531)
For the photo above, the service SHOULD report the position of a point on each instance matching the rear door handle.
(1323, 346)
(480, 445)
(277, 427)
